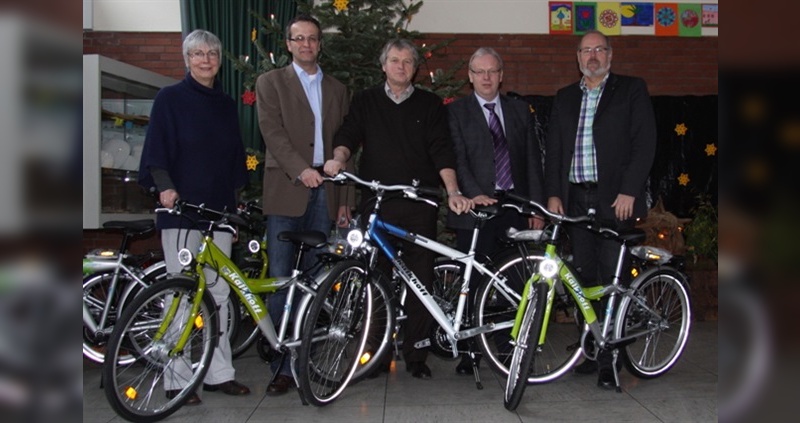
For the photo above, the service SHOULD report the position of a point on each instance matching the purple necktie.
(502, 167)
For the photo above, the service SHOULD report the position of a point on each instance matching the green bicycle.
(172, 327)
(646, 324)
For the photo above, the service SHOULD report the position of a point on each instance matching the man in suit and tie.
(497, 152)
(299, 110)
(600, 146)
(492, 163)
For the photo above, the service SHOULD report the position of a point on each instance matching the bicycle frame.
(376, 232)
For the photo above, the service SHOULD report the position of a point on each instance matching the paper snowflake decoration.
(711, 150)
(340, 5)
(531, 109)
(249, 97)
(681, 129)
(252, 162)
(683, 179)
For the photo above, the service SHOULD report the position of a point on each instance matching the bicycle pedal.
(423, 344)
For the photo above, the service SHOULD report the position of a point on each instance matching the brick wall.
(159, 52)
(534, 63)
(541, 64)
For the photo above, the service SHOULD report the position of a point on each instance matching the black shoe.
(193, 399)
(419, 369)
(605, 379)
(280, 386)
(465, 366)
(588, 367)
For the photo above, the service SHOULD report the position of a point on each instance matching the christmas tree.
(355, 31)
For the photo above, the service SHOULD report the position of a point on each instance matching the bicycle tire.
(525, 347)
(662, 337)
(96, 297)
(334, 333)
(382, 327)
(137, 392)
(493, 306)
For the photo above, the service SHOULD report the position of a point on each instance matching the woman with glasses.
(193, 151)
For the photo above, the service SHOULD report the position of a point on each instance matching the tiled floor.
(688, 393)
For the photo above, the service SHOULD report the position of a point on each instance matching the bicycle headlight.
(184, 257)
(253, 246)
(355, 238)
(548, 268)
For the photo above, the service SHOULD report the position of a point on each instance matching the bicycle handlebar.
(589, 219)
(409, 191)
(223, 216)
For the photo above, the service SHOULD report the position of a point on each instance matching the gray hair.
(400, 44)
(596, 32)
(483, 51)
(197, 38)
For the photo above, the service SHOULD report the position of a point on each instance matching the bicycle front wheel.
(160, 380)
(334, 333)
(658, 315)
(525, 346)
(382, 327)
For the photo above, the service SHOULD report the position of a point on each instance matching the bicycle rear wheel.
(334, 333)
(525, 346)
(659, 316)
(158, 382)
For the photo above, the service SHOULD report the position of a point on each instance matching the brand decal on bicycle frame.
(573, 283)
(234, 277)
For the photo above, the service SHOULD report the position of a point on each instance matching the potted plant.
(702, 251)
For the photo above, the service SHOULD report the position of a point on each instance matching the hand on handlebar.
(168, 197)
(459, 204)
(483, 200)
(310, 178)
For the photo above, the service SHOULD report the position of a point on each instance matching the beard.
(601, 71)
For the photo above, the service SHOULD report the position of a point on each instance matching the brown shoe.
(192, 399)
(280, 386)
(230, 387)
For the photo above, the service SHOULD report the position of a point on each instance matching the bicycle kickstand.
(475, 371)
(615, 355)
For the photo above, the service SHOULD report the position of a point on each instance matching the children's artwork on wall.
(637, 14)
(710, 17)
(666, 19)
(608, 18)
(585, 17)
(561, 17)
(689, 20)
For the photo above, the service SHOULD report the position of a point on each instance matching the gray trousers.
(221, 368)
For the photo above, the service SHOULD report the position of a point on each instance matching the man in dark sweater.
(404, 136)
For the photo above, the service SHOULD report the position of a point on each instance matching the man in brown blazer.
(299, 110)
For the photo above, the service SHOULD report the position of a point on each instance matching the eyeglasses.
(597, 50)
(201, 55)
(484, 72)
(302, 39)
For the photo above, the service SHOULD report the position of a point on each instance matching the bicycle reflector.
(184, 257)
(355, 238)
(365, 357)
(548, 268)
(253, 246)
